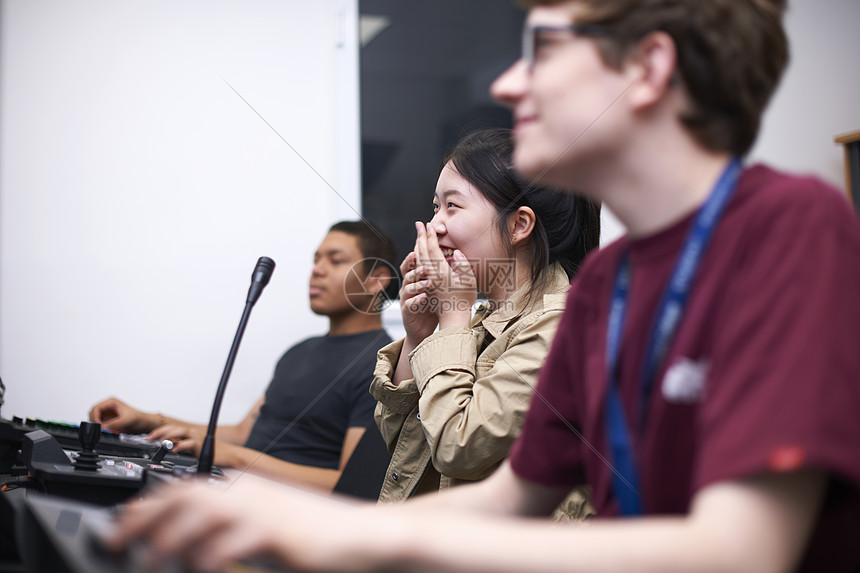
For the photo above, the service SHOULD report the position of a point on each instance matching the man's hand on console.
(185, 438)
(188, 440)
(117, 416)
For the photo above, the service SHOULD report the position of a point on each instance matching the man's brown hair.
(731, 54)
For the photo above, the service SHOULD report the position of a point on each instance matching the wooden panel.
(851, 143)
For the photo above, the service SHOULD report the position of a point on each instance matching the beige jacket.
(458, 418)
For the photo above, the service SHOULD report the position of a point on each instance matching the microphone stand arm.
(259, 279)
(207, 451)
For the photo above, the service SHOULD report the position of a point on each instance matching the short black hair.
(376, 248)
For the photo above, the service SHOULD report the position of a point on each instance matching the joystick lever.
(166, 446)
(89, 435)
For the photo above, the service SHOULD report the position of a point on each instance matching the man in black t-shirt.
(319, 393)
(317, 405)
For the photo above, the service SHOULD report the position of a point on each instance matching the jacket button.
(395, 476)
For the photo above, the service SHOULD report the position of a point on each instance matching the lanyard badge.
(625, 479)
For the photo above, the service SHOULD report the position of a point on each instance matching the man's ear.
(521, 223)
(653, 65)
(378, 279)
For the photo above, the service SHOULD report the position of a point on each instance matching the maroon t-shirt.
(763, 374)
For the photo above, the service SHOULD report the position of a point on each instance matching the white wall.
(138, 190)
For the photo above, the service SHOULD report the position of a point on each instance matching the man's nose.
(510, 86)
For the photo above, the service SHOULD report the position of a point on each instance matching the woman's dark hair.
(567, 226)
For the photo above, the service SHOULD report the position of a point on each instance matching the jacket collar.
(496, 321)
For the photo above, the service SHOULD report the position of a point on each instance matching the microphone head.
(263, 271)
(260, 278)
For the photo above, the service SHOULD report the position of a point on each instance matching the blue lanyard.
(625, 479)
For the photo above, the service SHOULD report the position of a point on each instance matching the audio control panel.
(88, 476)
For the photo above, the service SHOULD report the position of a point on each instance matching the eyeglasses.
(532, 36)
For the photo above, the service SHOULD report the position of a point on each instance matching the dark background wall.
(425, 82)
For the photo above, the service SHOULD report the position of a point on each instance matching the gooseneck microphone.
(259, 279)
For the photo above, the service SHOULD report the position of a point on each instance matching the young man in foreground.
(704, 379)
(317, 405)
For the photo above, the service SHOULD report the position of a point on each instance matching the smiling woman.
(452, 402)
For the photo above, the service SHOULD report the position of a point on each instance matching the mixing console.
(109, 444)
